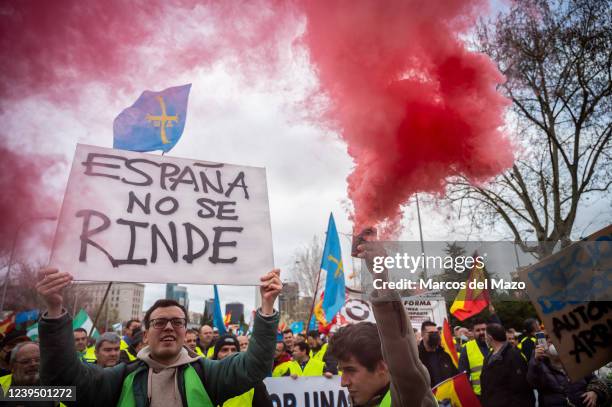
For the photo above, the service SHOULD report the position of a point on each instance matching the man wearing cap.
(258, 396)
(6, 346)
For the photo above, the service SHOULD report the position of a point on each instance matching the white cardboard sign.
(137, 217)
(307, 391)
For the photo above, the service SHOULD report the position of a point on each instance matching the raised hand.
(270, 288)
(50, 284)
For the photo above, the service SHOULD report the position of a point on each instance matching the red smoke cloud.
(25, 195)
(412, 103)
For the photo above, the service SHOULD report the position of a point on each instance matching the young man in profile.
(380, 363)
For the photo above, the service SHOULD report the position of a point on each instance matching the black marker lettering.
(86, 233)
(133, 225)
(146, 206)
(172, 251)
(191, 256)
(173, 208)
(217, 244)
(238, 182)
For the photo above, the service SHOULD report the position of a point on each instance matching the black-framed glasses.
(161, 323)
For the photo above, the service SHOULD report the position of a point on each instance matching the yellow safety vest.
(123, 345)
(245, 399)
(210, 352)
(520, 345)
(5, 383)
(282, 368)
(313, 368)
(320, 354)
(198, 350)
(476, 360)
(90, 355)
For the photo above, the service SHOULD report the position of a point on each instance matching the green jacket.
(96, 386)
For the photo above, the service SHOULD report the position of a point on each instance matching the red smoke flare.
(25, 196)
(413, 104)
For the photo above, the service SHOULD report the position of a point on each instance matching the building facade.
(124, 300)
(179, 294)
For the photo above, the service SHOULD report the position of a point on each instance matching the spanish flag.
(8, 324)
(457, 390)
(447, 343)
(470, 301)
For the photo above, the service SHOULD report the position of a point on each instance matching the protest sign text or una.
(129, 216)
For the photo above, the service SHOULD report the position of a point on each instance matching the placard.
(136, 217)
(307, 391)
(570, 291)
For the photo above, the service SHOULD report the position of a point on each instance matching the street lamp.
(10, 262)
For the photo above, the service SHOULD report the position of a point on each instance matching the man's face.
(426, 333)
(244, 343)
(206, 335)
(298, 354)
(288, 339)
(80, 341)
(134, 326)
(511, 338)
(25, 366)
(362, 384)
(480, 332)
(107, 355)
(215, 335)
(191, 340)
(279, 349)
(225, 351)
(312, 342)
(166, 341)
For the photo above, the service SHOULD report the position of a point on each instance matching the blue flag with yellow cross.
(154, 122)
(331, 262)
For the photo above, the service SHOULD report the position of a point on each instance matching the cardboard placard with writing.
(571, 290)
(307, 391)
(137, 217)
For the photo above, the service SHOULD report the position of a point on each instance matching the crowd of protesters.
(159, 362)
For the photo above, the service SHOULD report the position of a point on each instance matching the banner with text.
(137, 217)
(571, 290)
(307, 392)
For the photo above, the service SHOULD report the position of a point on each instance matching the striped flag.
(81, 320)
(8, 324)
(457, 390)
(447, 343)
(470, 301)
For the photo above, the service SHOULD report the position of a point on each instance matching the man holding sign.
(165, 374)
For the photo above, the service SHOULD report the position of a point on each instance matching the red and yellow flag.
(447, 343)
(227, 319)
(471, 300)
(8, 324)
(457, 390)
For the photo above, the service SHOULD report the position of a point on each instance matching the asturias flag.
(470, 301)
(154, 122)
(331, 262)
(218, 320)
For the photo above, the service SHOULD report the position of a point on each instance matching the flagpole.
(93, 326)
(314, 297)
(421, 236)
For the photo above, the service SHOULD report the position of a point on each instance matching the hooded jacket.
(98, 386)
